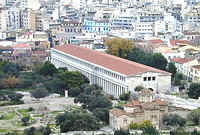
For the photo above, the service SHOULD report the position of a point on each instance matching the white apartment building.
(3, 20)
(144, 28)
(2, 3)
(115, 75)
(13, 18)
(185, 66)
(30, 4)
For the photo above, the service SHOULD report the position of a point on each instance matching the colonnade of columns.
(109, 86)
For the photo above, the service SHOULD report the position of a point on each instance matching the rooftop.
(181, 60)
(111, 62)
(180, 42)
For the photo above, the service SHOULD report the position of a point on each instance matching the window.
(145, 78)
(149, 78)
(153, 78)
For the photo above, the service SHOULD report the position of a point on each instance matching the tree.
(15, 97)
(72, 79)
(158, 61)
(172, 69)
(119, 46)
(55, 85)
(11, 69)
(194, 116)
(125, 96)
(73, 92)
(37, 131)
(48, 69)
(194, 90)
(102, 114)
(174, 120)
(121, 132)
(39, 92)
(139, 88)
(11, 82)
(25, 120)
(77, 121)
(133, 126)
(146, 126)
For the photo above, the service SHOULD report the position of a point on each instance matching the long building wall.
(112, 82)
(114, 85)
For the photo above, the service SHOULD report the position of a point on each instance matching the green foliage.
(11, 69)
(26, 79)
(121, 132)
(174, 120)
(139, 88)
(172, 69)
(125, 96)
(178, 78)
(179, 131)
(15, 97)
(73, 92)
(37, 131)
(72, 79)
(155, 60)
(48, 69)
(194, 116)
(55, 85)
(77, 121)
(146, 126)
(12, 97)
(93, 99)
(194, 90)
(133, 126)
(25, 120)
(119, 46)
(158, 61)
(39, 92)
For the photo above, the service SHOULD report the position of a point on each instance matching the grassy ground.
(3, 130)
(24, 112)
(8, 116)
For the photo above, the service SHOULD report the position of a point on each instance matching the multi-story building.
(10, 19)
(144, 28)
(71, 27)
(28, 19)
(184, 66)
(115, 75)
(13, 18)
(144, 16)
(137, 111)
(30, 4)
(123, 23)
(3, 20)
(96, 26)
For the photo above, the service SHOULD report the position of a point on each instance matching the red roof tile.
(156, 41)
(22, 46)
(181, 60)
(177, 42)
(133, 103)
(111, 62)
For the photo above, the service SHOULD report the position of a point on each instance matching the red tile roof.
(181, 60)
(111, 62)
(133, 103)
(22, 46)
(178, 42)
(156, 41)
